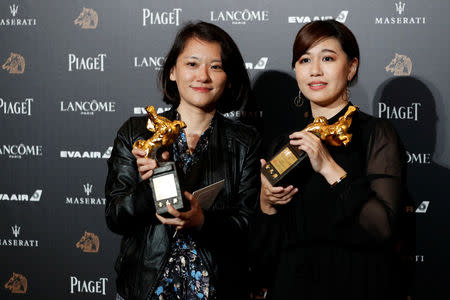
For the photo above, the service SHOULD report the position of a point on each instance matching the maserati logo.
(15, 230)
(15, 64)
(87, 188)
(14, 9)
(400, 65)
(88, 19)
(400, 7)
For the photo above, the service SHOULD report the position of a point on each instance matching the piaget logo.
(16, 107)
(35, 197)
(85, 154)
(89, 243)
(400, 65)
(88, 19)
(16, 19)
(15, 64)
(94, 63)
(17, 284)
(78, 286)
(16, 242)
(341, 17)
(86, 199)
(161, 18)
(410, 112)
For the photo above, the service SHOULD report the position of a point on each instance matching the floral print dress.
(185, 275)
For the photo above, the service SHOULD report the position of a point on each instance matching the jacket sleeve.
(367, 208)
(224, 227)
(129, 201)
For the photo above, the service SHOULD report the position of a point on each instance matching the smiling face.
(199, 74)
(323, 72)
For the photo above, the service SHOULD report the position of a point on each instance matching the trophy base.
(282, 163)
(165, 187)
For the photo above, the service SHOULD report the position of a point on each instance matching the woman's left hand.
(320, 158)
(194, 218)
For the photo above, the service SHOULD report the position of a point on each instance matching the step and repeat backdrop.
(73, 71)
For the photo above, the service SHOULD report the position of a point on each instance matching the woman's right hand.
(146, 165)
(271, 196)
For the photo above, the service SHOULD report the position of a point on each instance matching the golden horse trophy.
(290, 156)
(165, 132)
(164, 182)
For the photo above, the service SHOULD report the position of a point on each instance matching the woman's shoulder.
(238, 130)
(133, 127)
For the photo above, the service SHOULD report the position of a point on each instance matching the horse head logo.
(88, 19)
(89, 243)
(400, 65)
(15, 64)
(17, 284)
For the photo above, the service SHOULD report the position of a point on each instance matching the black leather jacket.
(233, 155)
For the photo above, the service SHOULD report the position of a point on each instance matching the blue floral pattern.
(185, 275)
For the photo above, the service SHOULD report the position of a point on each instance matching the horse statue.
(400, 65)
(89, 243)
(15, 64)
(165, 132)
(334, 134)
(88, 19)
(17, 284)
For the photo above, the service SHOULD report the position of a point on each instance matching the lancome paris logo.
(78, 286)
(16, 107)
(35, 197)
(88, 108)
(85, 154)
(89, 243)
(240, 16)
(400, 65)
(400, 18)
(16, 242)
(154, 62)
(17, 284)
(86, 200)
(90, 63)
(88, 19)
(259, 65)
(341, 17)
(142, 111)
(19, 151)
(17, 21)
(14, 64)
(150, 17)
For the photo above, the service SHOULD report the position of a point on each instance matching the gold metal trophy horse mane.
(165, 132)
(289, 156)
(334, 134)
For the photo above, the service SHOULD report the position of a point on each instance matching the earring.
(299, 100)
(348, 93)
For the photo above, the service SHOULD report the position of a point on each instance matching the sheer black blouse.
(333, 242)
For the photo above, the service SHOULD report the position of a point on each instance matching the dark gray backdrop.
(57, 122)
